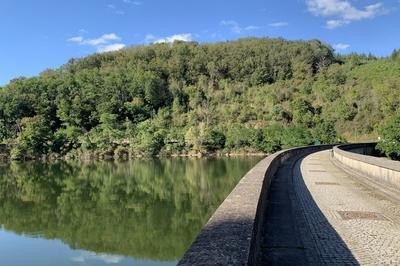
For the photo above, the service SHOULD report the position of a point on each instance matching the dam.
(318, 205)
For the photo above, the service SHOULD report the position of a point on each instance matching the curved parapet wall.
(358, 148)
(231, 236)
(378, 171)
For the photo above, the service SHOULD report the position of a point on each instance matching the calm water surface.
(144, 212)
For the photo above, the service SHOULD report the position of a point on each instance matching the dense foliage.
(390, 144)
(250, 95)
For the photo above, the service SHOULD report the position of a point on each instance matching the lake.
(141, 212)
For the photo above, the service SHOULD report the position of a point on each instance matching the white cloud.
(110, 47)
(341, 46)
(105, 43)
(77, 39)
(149, 38)
(342, 12)
(116, 10)
(135, 3)
(251, 27)
(105, 38)
(185, 37)
(91, 256)
(279, 24)
(333, 24)
(235, 27)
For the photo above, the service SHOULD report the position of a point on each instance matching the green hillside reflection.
(146, 209)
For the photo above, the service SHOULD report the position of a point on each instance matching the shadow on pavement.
(295, 230)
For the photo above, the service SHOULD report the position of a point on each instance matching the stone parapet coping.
(360, 151)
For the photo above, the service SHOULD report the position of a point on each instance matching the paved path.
(319, 215)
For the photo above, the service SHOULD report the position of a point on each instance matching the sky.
(42, 34)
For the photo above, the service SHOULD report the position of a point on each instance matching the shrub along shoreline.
(97, 156)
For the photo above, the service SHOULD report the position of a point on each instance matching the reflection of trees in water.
(149, 209)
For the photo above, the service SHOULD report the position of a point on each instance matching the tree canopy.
(248, 95)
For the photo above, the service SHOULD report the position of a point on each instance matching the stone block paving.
(345, 223)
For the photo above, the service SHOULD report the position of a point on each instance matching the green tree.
(66, 139)
(149, 138)
(271, 137)
(389, 142)
(214, 140)
(295, 136)
(186, 97)
(34, 139)
(324, 132)
(303, 112)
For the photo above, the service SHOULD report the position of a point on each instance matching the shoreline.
(93, 157)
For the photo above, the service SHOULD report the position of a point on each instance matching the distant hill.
(250, 95)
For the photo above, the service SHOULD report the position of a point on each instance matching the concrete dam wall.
(232, 235)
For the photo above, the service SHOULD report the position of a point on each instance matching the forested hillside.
(250, 95)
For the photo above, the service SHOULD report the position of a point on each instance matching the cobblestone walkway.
(360, 221)
(319, 215)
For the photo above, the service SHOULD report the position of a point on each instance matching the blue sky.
(41, 34)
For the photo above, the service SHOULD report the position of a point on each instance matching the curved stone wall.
(376, 171)
(231, 236)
